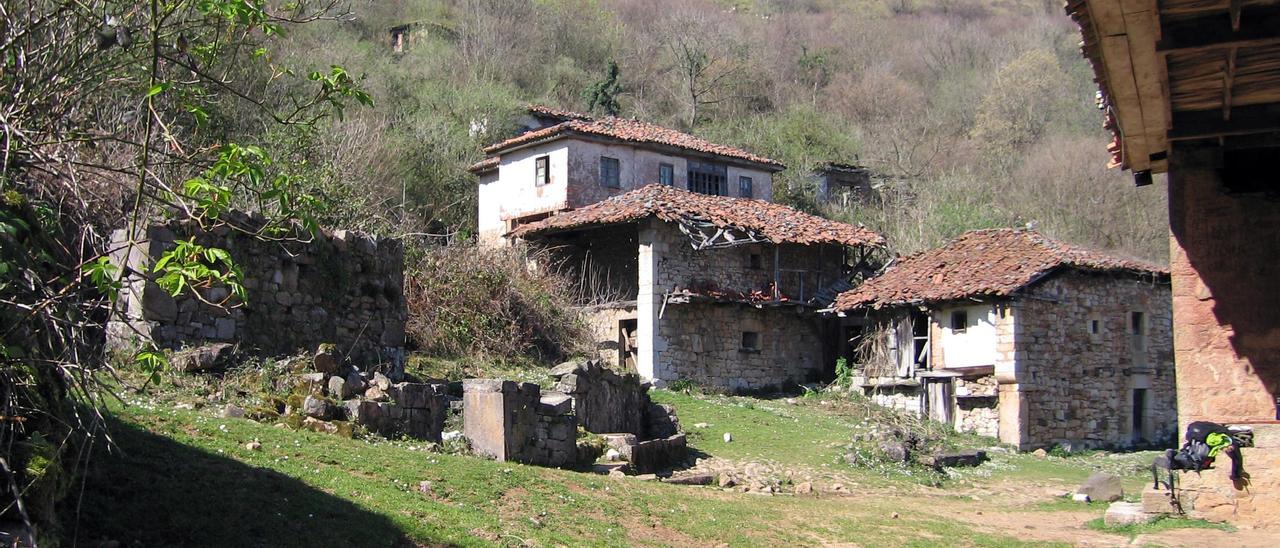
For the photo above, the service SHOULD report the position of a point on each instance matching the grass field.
(180, 476)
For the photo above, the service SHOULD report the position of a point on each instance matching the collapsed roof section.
(983, 263)
(711, 221)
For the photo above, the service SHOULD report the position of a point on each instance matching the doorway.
(627, 344)
(1139, 415)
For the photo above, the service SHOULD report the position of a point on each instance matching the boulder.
(317, 408)
(232, 411)
(313, 383)
(326, 359)
(894, 451)
(700, 478)
(381, 382)
(317, 425)
(566, 368)
(339, 389)
(355, 382)
(1102, 487)
(1126, 513)
(955, 459)
(202, 358)
(375, 394)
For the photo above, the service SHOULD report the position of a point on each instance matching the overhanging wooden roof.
(1171, 70)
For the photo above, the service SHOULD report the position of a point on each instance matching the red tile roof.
(485, 165)
(631, 131)
(548, 112)
(981, 263)
(778, 223)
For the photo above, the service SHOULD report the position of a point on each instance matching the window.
(959, 321)
(708, 179)
(541, 170)
(1095, 326)
(755, 262)
(744, 186)
(609, 172)
(1137, 323)
(667, 174)
(750, 341)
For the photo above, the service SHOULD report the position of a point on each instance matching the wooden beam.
(1234, 10)
(1208, 124)
(1228, 80)
(1217, 32)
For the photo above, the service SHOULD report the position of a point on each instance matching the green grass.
(185, 477)
(1163, 523)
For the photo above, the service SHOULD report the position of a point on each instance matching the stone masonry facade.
(337, 287)
(1070, 384)
(705, 345)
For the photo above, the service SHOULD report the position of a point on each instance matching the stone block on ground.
(1127, 513)
(555, 403)
(313, 383)
(326, 359)
(955, 459)
(1103, 487)
(700, 478)
(338, 388)
(1158, 501)
(202, 358)
(317, 408)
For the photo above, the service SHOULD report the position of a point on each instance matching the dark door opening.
(627, 344)
(1139, 413)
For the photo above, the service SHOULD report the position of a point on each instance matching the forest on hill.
(973, 113)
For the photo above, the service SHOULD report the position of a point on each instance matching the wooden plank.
(1107, 16)
(1153, 96)
(1227, 81)
(1212, 31)
(1125, 98)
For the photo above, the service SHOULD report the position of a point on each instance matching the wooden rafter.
(1217, 32)
(706, 235)
(1234, 10)
(1228, 80)
(1205, 124)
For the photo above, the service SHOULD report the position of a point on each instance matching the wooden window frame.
(746, 187)
(666, 174)
(542, 171)
(616, 172)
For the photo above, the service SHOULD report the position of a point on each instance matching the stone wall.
(1213, 496)
(603, 323)
(1225, 260)
(511, 421)
(605, 402)
(1079, 386)
(977, 402)
(704, 344)
(340, 287)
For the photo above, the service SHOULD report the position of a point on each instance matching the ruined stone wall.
(976, 408)
(1225, 260)
(1079, 385)
(511, 421)
(340, 287)
(605, 401)
(704, 344)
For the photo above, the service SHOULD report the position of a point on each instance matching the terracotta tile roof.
(778, 223)
(631, 131)
(1090, 48)
(981, 263)
(485, 165)
(548, 112)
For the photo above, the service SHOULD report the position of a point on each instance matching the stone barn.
(1011, 334)
(720, 291)
(1191, 88)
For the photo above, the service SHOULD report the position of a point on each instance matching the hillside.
(974, 113)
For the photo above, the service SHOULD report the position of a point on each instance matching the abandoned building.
(844, 183)
(1008, 333)
(1192, 89)
(716, 290)
(566, 160)
(337, 287)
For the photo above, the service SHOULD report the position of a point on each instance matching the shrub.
(467, 301)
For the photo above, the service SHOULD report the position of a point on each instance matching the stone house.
(1192, 89)
(844, 183)
(564, 160)
(722, 291)
(1011, 334)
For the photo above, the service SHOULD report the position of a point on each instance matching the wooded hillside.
(975, 113)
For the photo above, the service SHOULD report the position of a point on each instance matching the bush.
(467, 301)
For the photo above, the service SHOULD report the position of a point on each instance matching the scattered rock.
(955, 459)
(1102, 487)
(317, 408)
(326, 359)
(804, 488)
(894, 516)
(612, 455)
(1080, 497)
(424, 487)
(232, 411)
(202, 358)
(691, 479)
(728, 437)
(895, 451)
(375, 394)
(450, 435)
(381, 382)
(317, 425)
(646, 477)
(355, 382)
(726, 481)
(253, 446)
(1126, 513)
(1040, 453)
(313, 383)
(701, 425)
(338, 388)
(617, 474)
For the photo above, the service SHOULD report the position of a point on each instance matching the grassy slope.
(184, 477)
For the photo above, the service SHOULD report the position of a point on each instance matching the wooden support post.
(1228, 80)
(777, 273)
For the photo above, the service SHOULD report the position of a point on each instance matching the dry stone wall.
(705, 345)
(511, 421)
(1080, 386)
(337, 287)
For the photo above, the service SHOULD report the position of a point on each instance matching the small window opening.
(1095, 327)
(1137, 323)
(755, 262)
(751, 341)
(667, 174)
(744, 187)
(542, 168)
(959, 321)
(610, 175)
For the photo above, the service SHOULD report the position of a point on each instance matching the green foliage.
(1162, 523)
(844, 372)
(191, 266)
(602, 96)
